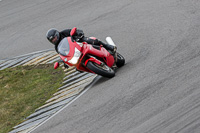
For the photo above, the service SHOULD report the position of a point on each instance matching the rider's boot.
(109, 47)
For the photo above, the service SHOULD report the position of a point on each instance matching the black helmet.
(53, 36)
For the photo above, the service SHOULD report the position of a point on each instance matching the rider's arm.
(66, 32)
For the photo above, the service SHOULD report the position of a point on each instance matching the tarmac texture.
(157, 91)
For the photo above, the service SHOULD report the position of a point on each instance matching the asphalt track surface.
(157, 91)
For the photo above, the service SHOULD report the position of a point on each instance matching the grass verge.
(23, 89)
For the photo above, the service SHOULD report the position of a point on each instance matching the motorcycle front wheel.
(102, 70)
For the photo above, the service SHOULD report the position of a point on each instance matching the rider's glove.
(80, 35)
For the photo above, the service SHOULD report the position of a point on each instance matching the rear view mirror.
(73, 31)
(56, 65)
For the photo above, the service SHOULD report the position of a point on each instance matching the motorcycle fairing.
(93, 59)
(68, 53)
(102, 53)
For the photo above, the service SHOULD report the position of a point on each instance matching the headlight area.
(76, 57)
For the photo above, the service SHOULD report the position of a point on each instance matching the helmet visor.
(54, 39)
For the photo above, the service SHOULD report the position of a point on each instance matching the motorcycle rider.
(54, 36)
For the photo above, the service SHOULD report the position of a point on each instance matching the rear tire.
(120, 60)
(104, 70)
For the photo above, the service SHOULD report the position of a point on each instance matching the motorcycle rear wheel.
(102, 70)
(120, 60)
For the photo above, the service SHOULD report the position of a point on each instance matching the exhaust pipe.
(110, 41)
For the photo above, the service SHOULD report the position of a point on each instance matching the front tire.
(102, 70)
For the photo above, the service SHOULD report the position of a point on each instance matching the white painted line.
(95, 80)
(29, 54)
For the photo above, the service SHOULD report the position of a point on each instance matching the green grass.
(24, 89)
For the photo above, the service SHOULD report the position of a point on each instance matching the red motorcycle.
(89, 58)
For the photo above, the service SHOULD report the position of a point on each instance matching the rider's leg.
(98, 42)
(112, 48)
(108, 46)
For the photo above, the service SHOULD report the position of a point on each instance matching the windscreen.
(63, 47)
